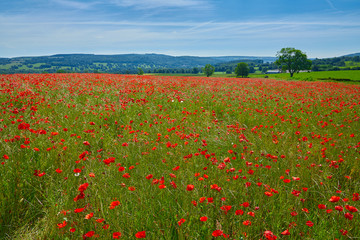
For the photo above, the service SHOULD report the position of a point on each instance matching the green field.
(346, 75)
(350, 76)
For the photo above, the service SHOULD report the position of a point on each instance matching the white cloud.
(153, 4)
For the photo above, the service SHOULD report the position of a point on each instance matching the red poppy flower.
(239, 212)
(116, 235)
(141, 234)
(322, 206)
(349, 216)
(89, 234)
(114, 204)
(251, 214)
(181, 221)
(89, 216)
(79, 210)
(343, 232)
(269, 235)
(305, 210)
(173, 184)
(339, 208)
(247, 223)
(217, 233)
(310, 223)
(190, 187)
(294, 214)
(126, 175)
(351, 208)
(83, 187)
(334, 199)
(61, 225)
(356, 197)
(269, 194)
(225, 208)
(204, 218)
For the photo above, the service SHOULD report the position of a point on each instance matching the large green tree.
(292, 60)
(209, 70)
(242, 69)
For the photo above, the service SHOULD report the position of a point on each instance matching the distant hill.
(348, 62)
(123, 63)
(352, 55)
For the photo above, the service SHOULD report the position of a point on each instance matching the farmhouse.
(273, 71)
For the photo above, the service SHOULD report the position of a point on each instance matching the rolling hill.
(123, 63)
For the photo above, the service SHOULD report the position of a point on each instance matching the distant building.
(273, 71)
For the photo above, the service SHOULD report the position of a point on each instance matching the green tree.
(252, 69)
(242, 69)
(61, 71)
(209, 70)
(228, 71)
(264, 69)
(140, 71)
(195, 70)
(292, 60)
(315, 68)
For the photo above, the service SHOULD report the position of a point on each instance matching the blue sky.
(320, 28)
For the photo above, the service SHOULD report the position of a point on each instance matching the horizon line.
(149, 53)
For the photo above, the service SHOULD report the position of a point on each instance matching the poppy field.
(102, 156)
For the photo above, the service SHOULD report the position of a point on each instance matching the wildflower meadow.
(105, 156)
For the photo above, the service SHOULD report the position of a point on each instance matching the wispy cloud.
(190, 25)
(75, 4)
(144, 31)
(49, 32)
(331, 5)
(153, 4)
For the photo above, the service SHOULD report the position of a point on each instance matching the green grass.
(352, 75)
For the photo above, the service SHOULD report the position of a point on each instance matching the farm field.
(104, 156)
(350, 76)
